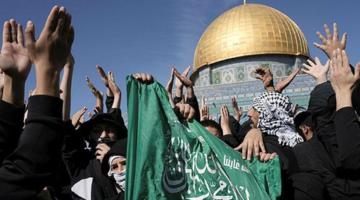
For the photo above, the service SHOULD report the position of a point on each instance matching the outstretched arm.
(347, 125)
(109, 95)
(40, 142)
(281, 85)
(16, 65)
(65, 87)
(264, 74)
(190, 95)
(342, 79)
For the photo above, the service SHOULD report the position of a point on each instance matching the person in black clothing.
(320, 164)
(310, 156)
(30, 156)
(84, 160)
(85, 148)
(303, 124)
(317, 176)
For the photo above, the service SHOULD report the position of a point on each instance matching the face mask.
(120, 179)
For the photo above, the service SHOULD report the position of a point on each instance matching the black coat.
(318, 176)
(347, 128)
(30, 161)
(84, 169)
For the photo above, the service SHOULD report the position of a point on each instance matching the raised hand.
(183, 78)
(143, 78)
(98, 95)
(112, 85)
(14, 63)
(104, 79)
(178, 82)
(103, 76)
(54, 43)
(341, 76)
(264, 74)
(237, 109)
(93, 89)
(252, 144)
(331, 42)
(114, 90)
(317, 70)
(186, 82)
(225, 121)
(51, 50)
(185, 111)
(342, 79)
(14, 59)
(204, 110)
(76, 118)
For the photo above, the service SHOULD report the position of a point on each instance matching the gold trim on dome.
(250, 29)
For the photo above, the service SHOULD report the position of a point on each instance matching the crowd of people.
(46, 154)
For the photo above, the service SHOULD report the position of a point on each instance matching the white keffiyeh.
(275, 110)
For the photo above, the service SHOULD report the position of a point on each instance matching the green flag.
(170, 159)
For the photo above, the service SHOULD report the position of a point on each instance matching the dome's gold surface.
(250, 29)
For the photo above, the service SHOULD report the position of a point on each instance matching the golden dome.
(250, 29)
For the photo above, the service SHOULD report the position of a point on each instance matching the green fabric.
(169, 159)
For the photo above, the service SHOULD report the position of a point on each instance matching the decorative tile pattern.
(245, 87)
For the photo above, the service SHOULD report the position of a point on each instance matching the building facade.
(240, 40)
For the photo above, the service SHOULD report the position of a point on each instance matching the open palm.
(14, 59)
(331, 42)
(316, 70)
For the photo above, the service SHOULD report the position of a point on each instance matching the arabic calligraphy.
(189, 172)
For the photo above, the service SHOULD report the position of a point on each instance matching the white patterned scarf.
(275, 117)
